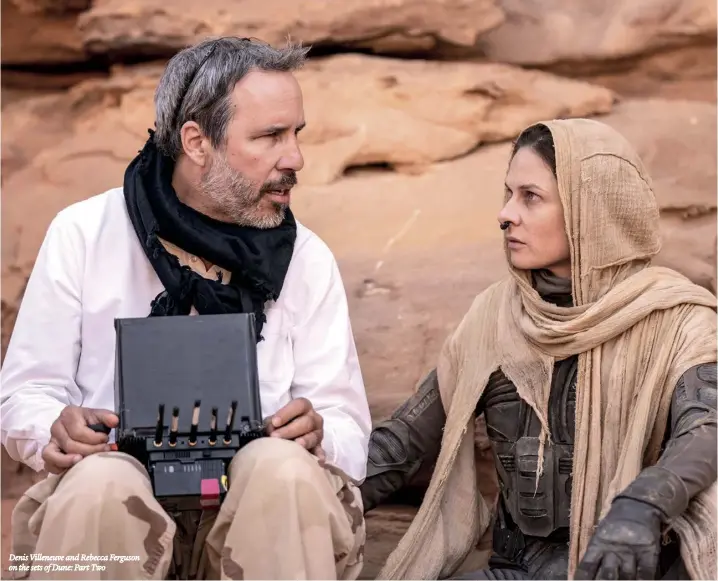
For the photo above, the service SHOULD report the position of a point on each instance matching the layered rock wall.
(411, 107)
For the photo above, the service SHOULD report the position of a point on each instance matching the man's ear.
(194, 144)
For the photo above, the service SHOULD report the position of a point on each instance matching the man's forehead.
(257, 87)
(268, 98)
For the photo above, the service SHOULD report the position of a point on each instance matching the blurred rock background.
(411, 107)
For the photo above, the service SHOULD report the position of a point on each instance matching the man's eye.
(272, 135)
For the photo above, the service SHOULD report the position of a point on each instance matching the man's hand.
(299, 422)
(71, 439)
(626, 543)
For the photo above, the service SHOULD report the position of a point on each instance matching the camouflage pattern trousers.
(284, 517)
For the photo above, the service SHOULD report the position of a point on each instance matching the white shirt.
(91, 269)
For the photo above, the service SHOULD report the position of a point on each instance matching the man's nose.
(292, 158)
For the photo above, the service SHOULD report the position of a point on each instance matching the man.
(202, 225)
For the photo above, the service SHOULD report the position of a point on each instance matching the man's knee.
(280, 461)
(271, 471)
(108, 477)
(111, 487)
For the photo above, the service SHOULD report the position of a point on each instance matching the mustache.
(288, 180)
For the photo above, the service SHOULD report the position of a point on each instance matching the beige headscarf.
(636, 328)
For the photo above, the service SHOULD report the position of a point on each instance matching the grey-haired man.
(209, 191)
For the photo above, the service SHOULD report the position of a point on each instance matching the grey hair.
(198, 81)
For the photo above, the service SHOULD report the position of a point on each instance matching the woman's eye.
(531, 197)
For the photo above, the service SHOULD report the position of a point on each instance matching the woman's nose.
(507, 215)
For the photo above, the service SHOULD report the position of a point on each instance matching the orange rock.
(401, 25)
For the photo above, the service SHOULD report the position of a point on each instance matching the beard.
(239, 199)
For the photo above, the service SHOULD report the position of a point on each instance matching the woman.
(596, 375)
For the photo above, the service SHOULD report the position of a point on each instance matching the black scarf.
(257, 258)
(553, 289)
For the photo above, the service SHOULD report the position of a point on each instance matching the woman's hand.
(625, 545)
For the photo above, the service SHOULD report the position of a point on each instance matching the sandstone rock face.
(370, 110)
(51, 7)
(545, 32)
(657, 48)
(713, 259)
(589, 35)
(514, 31)
(404, 25)
(30, 37)
(384, 528)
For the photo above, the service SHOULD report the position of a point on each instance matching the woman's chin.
(519, 264)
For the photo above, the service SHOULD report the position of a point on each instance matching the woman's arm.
(628, 539)
(688, 464)
(401, 445)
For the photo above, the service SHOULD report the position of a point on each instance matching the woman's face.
(536, 236)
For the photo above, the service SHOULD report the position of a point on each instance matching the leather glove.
(626, 543)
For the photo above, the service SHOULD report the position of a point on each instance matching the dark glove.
(626, 543)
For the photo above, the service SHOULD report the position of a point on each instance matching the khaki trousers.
(284, 517)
